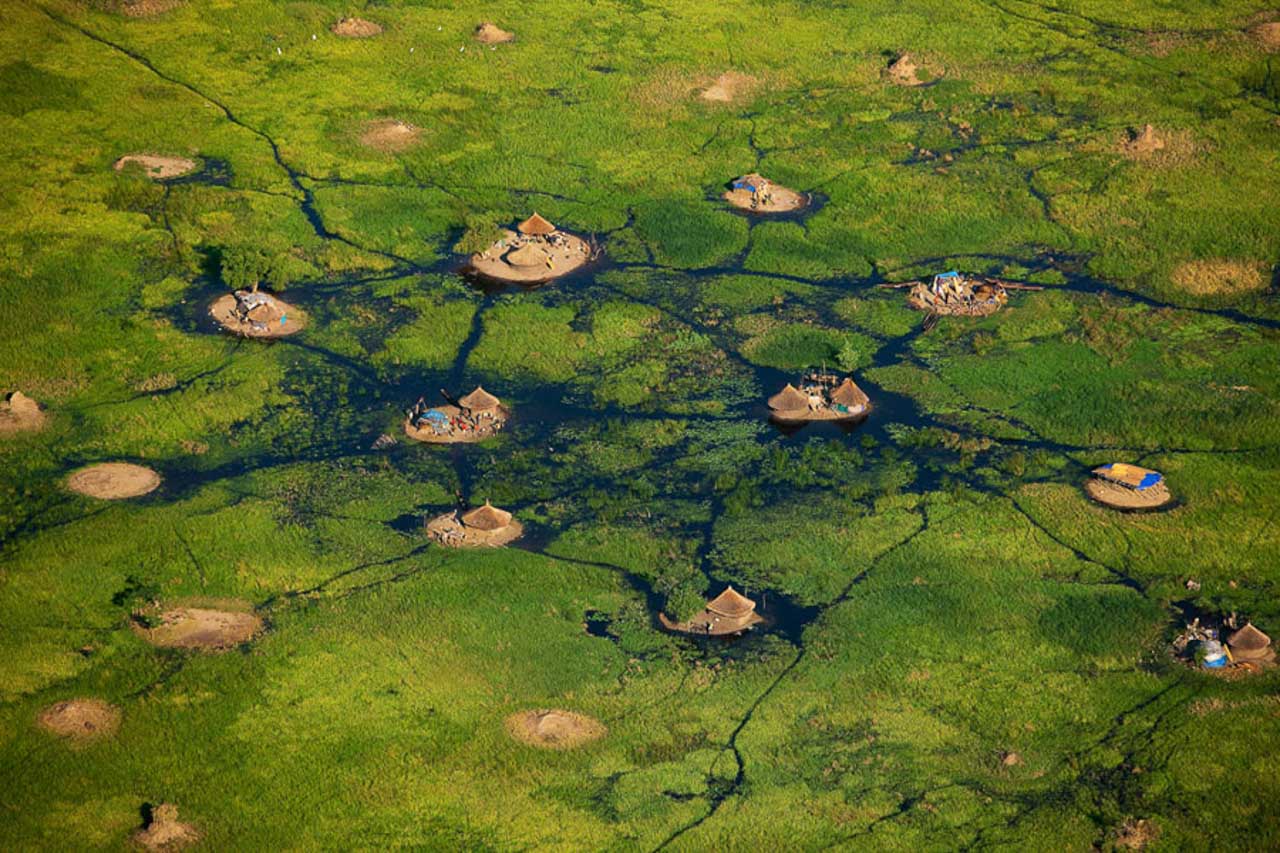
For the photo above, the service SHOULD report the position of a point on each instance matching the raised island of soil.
(819, 398)
(482, 527)
(80, 720)
(356, 28)
(904, 71)
(19, 413)
(164, 831)
(157, 166)
(257, 315)
(727, 615)
(478, 416)
(1127, 487)
(535, 252)
(114, 481)
(757, 194)
(389, 135)
(489, 33)
(203, 628)
(554, 729)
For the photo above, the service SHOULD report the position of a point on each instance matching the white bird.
(461, 49)
(411, 50)
(313, 36)
(279, 52)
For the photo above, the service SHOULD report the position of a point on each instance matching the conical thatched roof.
(527, 256)
(788, 399)
(731, 604)
(487, 517)
(849, 394)
(1248, 639)
(479, 400)
(536, 226)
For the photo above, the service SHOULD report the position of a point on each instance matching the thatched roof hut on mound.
(728, 614)
(535, 252)
(1251, 644)
(477, 416)
(255, 314)
(1124, 486)
(819, 398)
(757, 194)
(485, 526)
(953, 293)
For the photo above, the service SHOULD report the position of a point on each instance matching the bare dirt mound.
(80, 720)
(515, 259)
(355, 28)
(157, 166)
(147, 8)
(164, 831)
(19, 413)
(1267, 35)
(553, 729)
(389, 135)
(114, 480)
(1143, 142)
(488, 33)
(271, 318)
(1221, 277)
(200, 628)
(904, 71)
(1118, 497)
(449, 530)
(728, 87)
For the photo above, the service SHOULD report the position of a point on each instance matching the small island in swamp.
(451, 426)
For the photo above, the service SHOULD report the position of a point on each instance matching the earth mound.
(389, 135)
(1143, 142)
(903, 71)
(1268, 35)
(201, 628)
(355, 28)
(147, 8)
(757, 194)
(452, 531)
(80, 720)
(257, 315)
(520, 259)
(554, 729)
(489, 33)
(164, 831)
(728, 87)
(114, 480)
(1221, 277)
(19, 413)
(1118, 497)
(158, 167)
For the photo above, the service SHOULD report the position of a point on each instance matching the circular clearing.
(776, 199)
(1119, 497)
(257, 315)
(488, 33)
(554, 729)
(80, 720)
(355, 28)
(201, 628)
(157, 166)
(114, 481)
(19, 413)
(452, 531)
(523, 260)
(389, 135)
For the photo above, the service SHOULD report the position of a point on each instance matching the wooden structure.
(1130, 487)
(728, 614)
(485, 526)
(819, 398)
(757, 194)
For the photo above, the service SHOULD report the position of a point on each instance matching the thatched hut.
(535, 252)
(480, 401)
(1250, 644)
(819, 398)
(850, 396)
(485, 526)
(789, 402)
(728, 614)
(536, 226)
(1124, 486)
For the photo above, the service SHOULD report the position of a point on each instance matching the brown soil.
(114, 480)
(707, 624)
(202, 628)
(469, 436)
(804, 416)
(355, 28)
(223, 313)
(1135, 834)
(488, 33)
(1119, 497)
(1221, 277)
(80, 720)
(728, 87)
(449, 531)
(1143, 142)
(157, 166)
(389, 135)
(165, 831)
(554, 729)
(781, 200)
(19, 413)
(501, 261)
(1267, 35)
(147, 8)
(903, 71)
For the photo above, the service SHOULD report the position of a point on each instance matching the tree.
(245, 267)
(847, 357)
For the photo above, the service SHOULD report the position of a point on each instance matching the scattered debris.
(819, 398)
(535, 252)
(483, 527)
(114, 480)
(19, 413)
(474, 417)
(383, 441)
(156, 166)
(1193, 584)
(953, 293)
(164, 831)
(554, 729)
(355, 28)
(1245, 652)
(488, 33)
(256, 314)
(1130, 487)
(80, 720)
(757, 194)
(199, 627)
(728, 614)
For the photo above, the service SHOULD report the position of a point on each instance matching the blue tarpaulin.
(1150, 480)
